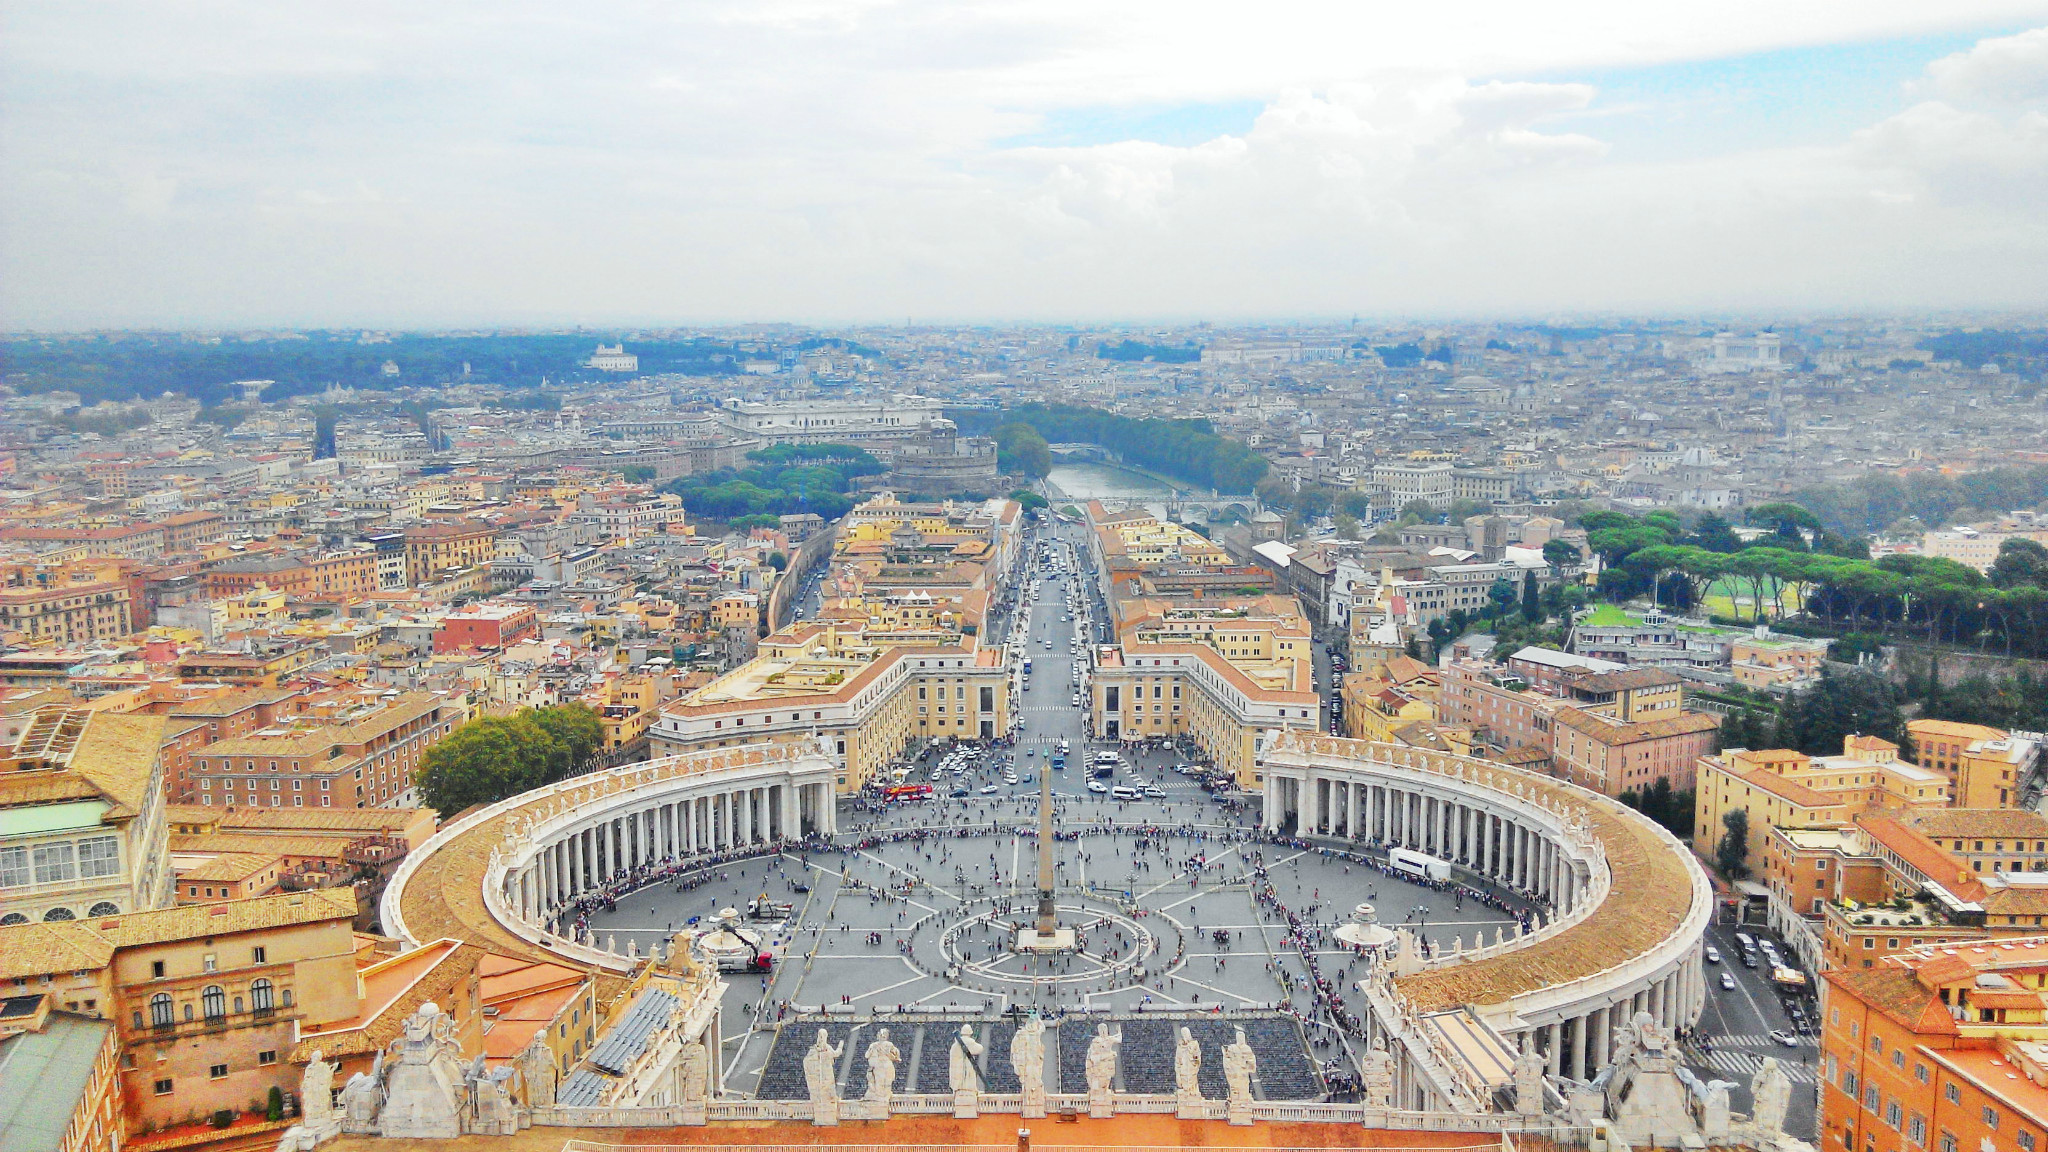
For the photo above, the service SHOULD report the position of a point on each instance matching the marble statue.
(1529, 1069)
(693, 1070)
(490, 1100)
(1378, 1075)
(1714, 1111)
(1101, 1070)
(424, 1090)
(821, 1079)
(1238, 1065)
(362, 1097)
(538, 1074)
(963, 1075)
(316, 1092)
(883, 1057)
(693, 1084)
(1770, 1093)
(1187, 1072)
(1027, 1056)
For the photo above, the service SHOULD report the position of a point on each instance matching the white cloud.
(2007, 70)
(404, 164)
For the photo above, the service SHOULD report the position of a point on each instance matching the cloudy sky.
(194, 164)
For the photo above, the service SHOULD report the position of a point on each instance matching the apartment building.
(362, 754)
(431, 550)
(1613, 757)
(870, 700)
(208, 999)
(65, 609)
(85, 834)
(1401, 481)
(1937, 1047)
(1786, 788)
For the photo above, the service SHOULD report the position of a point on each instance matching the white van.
(1120, 792)
(1106, 759)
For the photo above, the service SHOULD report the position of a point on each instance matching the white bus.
(1418, 864)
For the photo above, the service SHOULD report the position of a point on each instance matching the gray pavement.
(915, 905)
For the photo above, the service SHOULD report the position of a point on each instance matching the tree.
(575, 726)
(1713, 533)
(1532, 609)
(1029, 500)
(1789, 521)
(1857, 702)
(273, 1105)
(1021, 450)
(2020, 562)
(1731, 855)
(1421, 509)
(778, 561)
(1347, 526)
(1502, 597)
(491, 757)
(1561, 554)
(637, 473)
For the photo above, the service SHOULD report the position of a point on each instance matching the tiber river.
(1092, 481)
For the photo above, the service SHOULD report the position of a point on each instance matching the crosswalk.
(1756, 1040)
(1746, 1064)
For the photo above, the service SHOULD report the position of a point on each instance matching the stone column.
(1578, 1069)
(1555, 1056)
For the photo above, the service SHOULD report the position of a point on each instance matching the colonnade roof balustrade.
(1657, 889)
(439, 891)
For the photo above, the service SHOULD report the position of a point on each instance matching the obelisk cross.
(1047, 918)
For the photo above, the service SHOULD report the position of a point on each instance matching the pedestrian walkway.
(1747, 1064)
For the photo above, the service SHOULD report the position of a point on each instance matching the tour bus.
(908, 792)
(1121, 792)
(1418, 864)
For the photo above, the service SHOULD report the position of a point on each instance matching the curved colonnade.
(499, 874)
(1629, 906)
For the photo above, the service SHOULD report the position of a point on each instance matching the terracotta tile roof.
(1952, 729)
(1932, 860)
(1997, 823)
(1611, 732)
(1899, 994)
(1651, 894)
(24, 946)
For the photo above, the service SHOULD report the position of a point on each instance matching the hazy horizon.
(230, 166)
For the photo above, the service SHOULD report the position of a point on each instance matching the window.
(99, 856)
(1916, 1131)
(160, 1014)
(259, 955)
(215, 1000)
(2024, 1139)
(217, 1072)
(260, 996)
(1920, 1073)
(163, 1087)
(1948, 1141)
(1870, 1098)
(267, 1057)
(1991, 1117)
(55, 864)
(14, 868)
(1949, 1093)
